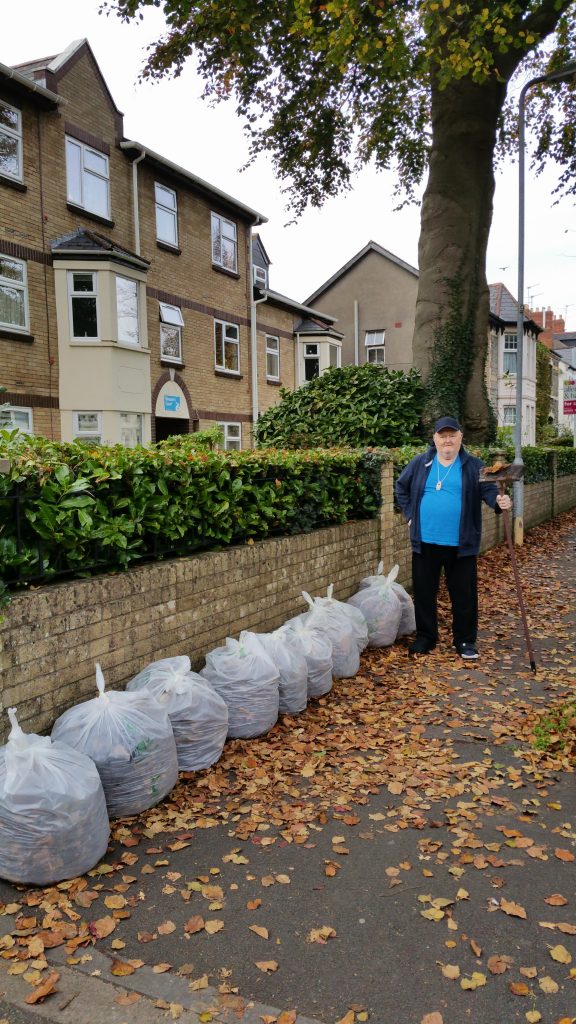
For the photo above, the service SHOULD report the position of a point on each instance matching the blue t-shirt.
(440, 509)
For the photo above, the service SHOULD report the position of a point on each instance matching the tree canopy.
(326, 86)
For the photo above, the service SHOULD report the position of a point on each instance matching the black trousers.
(461, 581)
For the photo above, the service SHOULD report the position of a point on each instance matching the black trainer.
(421, 645)
(467, 651)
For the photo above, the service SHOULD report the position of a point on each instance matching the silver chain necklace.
(441, 481)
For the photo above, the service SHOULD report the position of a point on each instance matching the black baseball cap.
(446, 423)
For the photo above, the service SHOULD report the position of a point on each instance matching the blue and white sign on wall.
(171, 403)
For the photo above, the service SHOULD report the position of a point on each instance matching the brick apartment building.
(134, 296)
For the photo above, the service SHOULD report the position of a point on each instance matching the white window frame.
(171, 319)
(16, 134)
(509, 416)
(273, 353)
(80, 434)
(333, 349)
(510, 347)
(170, 211)
(139, 427)
(79, 295)
(377, 338)
(224, 325)
(228, 443)
(84, 173)
(260, 276)
(375, 345)
(10, 409)
(223, 229)
(309, 357)
(373, 354)
(136, 284)
(20, 286)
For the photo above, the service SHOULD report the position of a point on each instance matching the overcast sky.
(212, 145)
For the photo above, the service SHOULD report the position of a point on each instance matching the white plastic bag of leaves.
(408, 619)
(129, 737)
(317, 649)
(248, 682)
(354, 615)
(198, 714)
(382, 610)
(327, 615)
(53, 819)
(286, 651)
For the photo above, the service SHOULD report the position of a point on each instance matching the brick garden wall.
(52, 636)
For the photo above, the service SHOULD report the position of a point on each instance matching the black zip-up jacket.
(410, 488)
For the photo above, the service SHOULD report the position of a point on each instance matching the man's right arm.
(404, 490)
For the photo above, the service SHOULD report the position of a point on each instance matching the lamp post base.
(518, 531)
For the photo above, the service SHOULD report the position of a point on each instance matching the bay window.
(87, 426)
(83, 305)
(127, 311)
(510, 353)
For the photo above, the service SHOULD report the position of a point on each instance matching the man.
(441, 497)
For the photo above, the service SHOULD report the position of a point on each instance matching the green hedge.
(537, 463)
(83, 508)
(565, 461)
(353, 406)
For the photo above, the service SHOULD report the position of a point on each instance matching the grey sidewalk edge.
(105, 987)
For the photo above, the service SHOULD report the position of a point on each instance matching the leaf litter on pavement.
(397, 727)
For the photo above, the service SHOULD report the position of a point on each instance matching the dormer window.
(260, 276)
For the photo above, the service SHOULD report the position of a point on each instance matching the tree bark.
(455, 224)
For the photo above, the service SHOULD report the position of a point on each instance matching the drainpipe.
(356, 335)
(136, 210)
(253, 336)
(297, 380)
(254, 339)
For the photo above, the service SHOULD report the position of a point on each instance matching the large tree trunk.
(455, 223)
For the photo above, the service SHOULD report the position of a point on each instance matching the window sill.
(172, 362)
(18, 186)
(166, 247)
(234, 374)
(227, 273)
(95, 343)
(16, 335)
(274, 382)
(89, 215)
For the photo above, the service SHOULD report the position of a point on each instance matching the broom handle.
(518, 584)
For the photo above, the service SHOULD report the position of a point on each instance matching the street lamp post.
(564, 74)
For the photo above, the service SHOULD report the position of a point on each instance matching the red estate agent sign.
(570, 397)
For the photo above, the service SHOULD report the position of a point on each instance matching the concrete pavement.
(478, 834)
